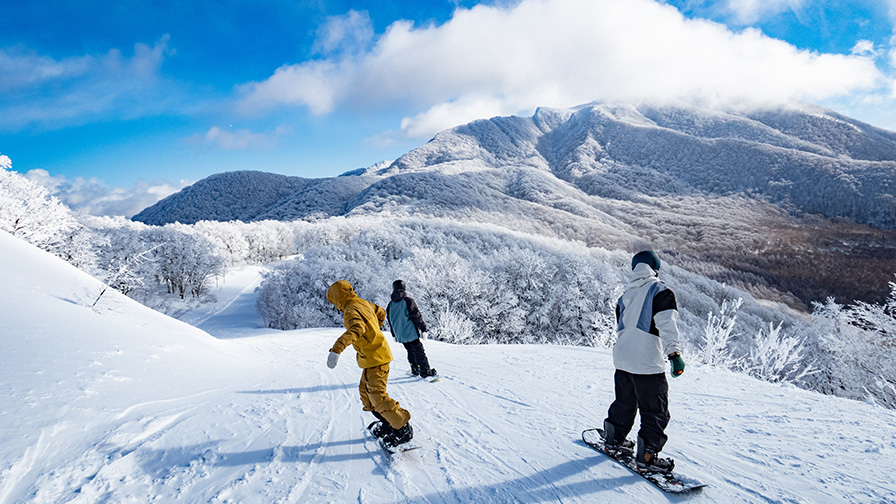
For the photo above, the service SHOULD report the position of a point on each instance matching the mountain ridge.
(718, 187)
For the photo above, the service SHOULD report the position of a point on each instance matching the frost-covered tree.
(485, 284)
(184, 261)
(771, 355)
(243, 243)
(30, 212)
(777, 357)
(229, 239)
(718, 345)
(857, 349)
(123, 256)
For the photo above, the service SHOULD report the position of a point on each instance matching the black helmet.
(398, 285)
(647, 257)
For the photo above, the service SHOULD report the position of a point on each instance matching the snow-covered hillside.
(107, 401)
(801, 156)
(735, 195)
(255, 195)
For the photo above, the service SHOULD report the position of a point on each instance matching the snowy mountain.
(733, 195)
(803, 157)
(108, 401)
(251, 196)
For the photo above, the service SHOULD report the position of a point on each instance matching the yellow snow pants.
(375, 398)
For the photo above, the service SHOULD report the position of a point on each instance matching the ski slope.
(113, 402)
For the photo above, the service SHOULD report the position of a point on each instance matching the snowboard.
(670, 483)
(391, 450)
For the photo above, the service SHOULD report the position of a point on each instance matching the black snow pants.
(417, 357)
(647, 394)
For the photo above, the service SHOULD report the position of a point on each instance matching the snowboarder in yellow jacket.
(363, 320)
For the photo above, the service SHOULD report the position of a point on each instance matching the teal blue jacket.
(404, 317)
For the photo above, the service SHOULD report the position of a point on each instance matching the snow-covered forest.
(477, 283)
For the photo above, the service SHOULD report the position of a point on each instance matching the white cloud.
(39, 90)
(241, 139)
(351, 33)
(492, 60)
(864, 47)
(747, 12)
(92, 196)
(21, 68)
(454, 112)
(891, 8)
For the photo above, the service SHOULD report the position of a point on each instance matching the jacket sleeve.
(380, 314)
(391, 329)
(354, 328)
(665, 316)
(414, 314)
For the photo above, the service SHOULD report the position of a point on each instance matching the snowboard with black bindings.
(391, 450)
(670, 483)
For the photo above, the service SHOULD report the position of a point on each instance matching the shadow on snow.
(543, 486)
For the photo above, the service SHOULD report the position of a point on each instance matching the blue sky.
(115, 104)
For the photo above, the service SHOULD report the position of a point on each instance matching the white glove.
(424, 335)
(332, 359)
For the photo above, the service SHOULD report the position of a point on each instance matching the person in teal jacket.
(407, 327)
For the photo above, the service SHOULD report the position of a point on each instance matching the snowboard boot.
(431, 374)
(613, 445)
(399, 436)
(415, 370)
(648, 460)
(379, 427)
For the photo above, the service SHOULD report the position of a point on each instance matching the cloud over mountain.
(495, 60)
(91, 196)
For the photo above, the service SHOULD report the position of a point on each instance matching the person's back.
(363, 320)
(647, 329)
(408, 327)
(399, 314)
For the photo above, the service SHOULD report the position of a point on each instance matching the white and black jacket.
(647, 324)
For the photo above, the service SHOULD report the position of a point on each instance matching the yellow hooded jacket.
(362, 320)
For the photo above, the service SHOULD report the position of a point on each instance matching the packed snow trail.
(116, 403)
(233, 310)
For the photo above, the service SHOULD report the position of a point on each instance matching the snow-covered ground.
(115, 403)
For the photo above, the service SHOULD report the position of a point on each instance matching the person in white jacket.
(646, 332)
